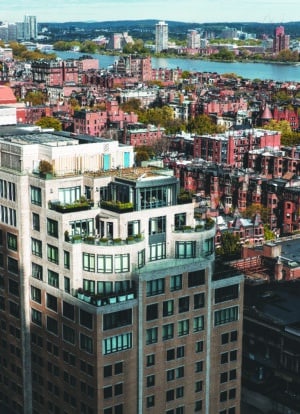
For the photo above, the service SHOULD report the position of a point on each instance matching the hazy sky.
(198, 11)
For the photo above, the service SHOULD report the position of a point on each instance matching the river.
(248, 70)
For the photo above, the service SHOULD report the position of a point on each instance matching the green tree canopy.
(202, 124)
(230, 245)
(49, 122)
(35, 98)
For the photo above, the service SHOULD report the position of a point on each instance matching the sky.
(193, 11)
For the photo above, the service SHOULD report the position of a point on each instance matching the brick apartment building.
(108, 289)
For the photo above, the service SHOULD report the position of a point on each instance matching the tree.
(230, 245)
(257, 208)
(35, 98)
(202, 124)
(49, 122)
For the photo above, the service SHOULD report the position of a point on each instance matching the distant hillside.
(144, 29)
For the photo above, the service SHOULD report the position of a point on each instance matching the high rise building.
(110, 300)
(30, 28)
(193, 39)
(281, 41)
(161, 36)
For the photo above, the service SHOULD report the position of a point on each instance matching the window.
(117, 343)
(155, 287)
(150, 380)
(175, 283)
(53, 279)
(180, 220)
(107, 371)
(167, 331)
(179, 392)
(224, 358)
(199, 346)
(150, 401)
(141, 258)
(198, 406)
(198, 324)
(223, 377)
(133, 228)
(86, 343)
(168, 307)
(104, 263)
(68, 311)
(36, 247)
(183, 304)
(12, 242)
(121, 263)
(198, 386)
(13, 287)
(233, 355)
(232, 393)
(88, 262)
(52, 325)
(226, 315)
(199, 366)
(68, 334)
(157, 225)
(179, 372)
(225, 338)
(233, 336)
(170, 354)
(208, 246)
(69, 195)
(183, 327)
(150, 360)
(107, 392)
(118, 389)
(231, 410)
(199, 300)
(232, 374)
(66, 259)
(37, 271)
(51, 302)
(52, 253)
(105, 288)
(36, 295)
(180, 351)
(36, 195)
(185, 250)
(170, 395)
(196, 278)
(151, 336)
(86, 319)
(36, 317)
(226, 293)
(223, 396)
(67, 285)
(35, 222)
(12, 265)
(118, 368)
(52, 228)
(116, 319)
(152, 312)
(157, 251)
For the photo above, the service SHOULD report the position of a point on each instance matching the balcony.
(93, 240)
(79, 205)
(117, 206)
(105, 299)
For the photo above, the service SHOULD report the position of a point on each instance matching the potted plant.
(76, 238)
(90, 239)
(45, 169)
(130, 240)
(198, 227)
(67, 236)
(117, 240)
(103, 241)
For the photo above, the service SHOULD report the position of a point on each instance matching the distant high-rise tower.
(281, 41)
(30, 28)
(193, 39)
(161, 36)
